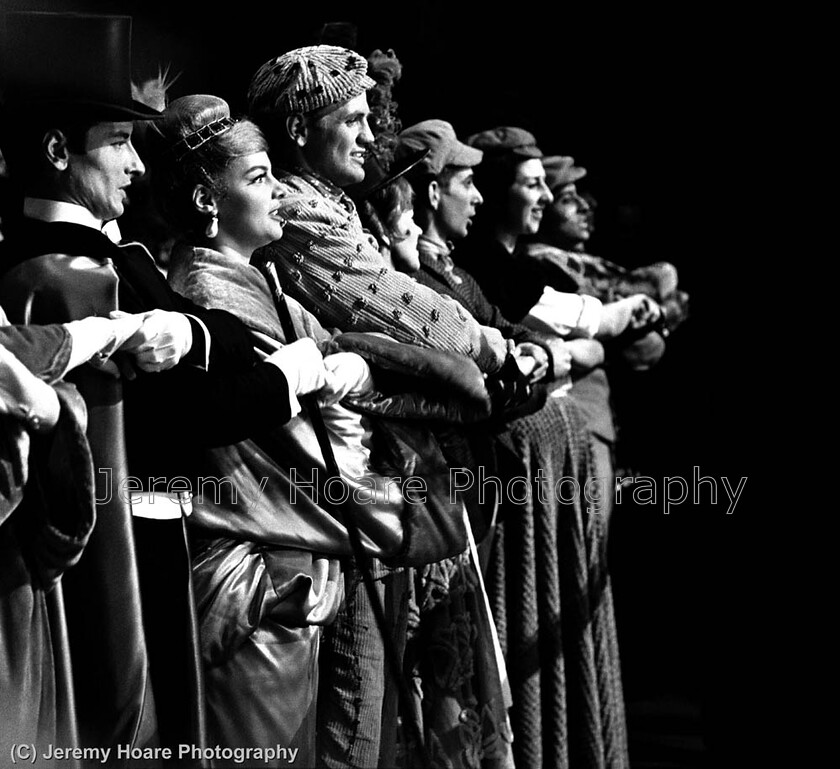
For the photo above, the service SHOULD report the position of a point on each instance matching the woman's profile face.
(404, 253)
(527, 198)
(248, 209)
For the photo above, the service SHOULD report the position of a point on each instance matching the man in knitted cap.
(312, 104)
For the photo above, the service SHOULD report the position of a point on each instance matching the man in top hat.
(192, 374)
(312, 104)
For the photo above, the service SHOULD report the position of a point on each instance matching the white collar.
(46, 210)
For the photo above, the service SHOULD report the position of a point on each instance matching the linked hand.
(161, 341)
(494, 348)
(302, 364)
(96, 339)
(538, 357)
(586, 353)
(633, 312)
(645, 313)
(347, 374)
(331, 378)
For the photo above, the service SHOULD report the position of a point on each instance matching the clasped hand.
(634, 312)
(532, 360)
(330, 378)
(163, 338)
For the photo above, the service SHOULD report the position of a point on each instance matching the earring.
(212, 227)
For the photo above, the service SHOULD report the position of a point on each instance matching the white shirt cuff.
(206, 364)
(566, 313)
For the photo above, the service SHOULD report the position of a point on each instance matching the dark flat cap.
(506, 139)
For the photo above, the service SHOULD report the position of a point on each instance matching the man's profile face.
(336, 143)
(459, 199)
(569, 216)
(98, 178)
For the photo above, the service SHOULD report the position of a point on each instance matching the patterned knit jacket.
(328, 263)
(438, 271)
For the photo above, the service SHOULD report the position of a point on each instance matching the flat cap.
(561, 170)
(307, 79)
(444, 147)
(506, 139)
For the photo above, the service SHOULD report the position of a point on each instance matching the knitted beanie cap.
(307, 79)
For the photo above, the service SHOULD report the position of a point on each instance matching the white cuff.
(565, 313)
(206, 364)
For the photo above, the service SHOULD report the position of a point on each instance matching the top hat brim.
(88, 108)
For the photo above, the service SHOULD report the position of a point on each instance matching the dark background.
(657, 103)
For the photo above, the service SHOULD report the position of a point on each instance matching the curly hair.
(386, 69)
(390, 202)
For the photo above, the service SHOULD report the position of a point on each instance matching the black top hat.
(80, 63)
(378, 176)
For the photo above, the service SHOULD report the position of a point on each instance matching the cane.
(310, 400)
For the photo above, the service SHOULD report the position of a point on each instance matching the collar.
(45, 210)
(325, 187)
(436, 256)
(59, 211)
(435, 247)
(321, 183)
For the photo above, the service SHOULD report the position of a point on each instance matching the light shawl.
(268, 494)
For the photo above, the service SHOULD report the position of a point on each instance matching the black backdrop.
(652, 102)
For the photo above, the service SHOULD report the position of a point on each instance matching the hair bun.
(193, 112)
